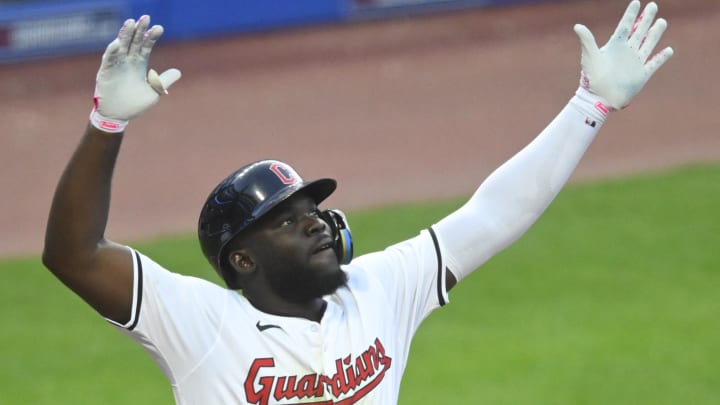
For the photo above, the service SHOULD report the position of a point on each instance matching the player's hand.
(124, 87)
(619, 70)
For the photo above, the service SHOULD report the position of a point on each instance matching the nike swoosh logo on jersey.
(263, 328)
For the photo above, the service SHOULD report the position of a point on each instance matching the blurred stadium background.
(40, 28)
(357, 90)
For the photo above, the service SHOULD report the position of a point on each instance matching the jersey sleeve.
(176, 318)
(411, 278)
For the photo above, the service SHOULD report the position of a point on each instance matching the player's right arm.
(76, 250)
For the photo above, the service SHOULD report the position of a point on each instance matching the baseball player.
(301, 321)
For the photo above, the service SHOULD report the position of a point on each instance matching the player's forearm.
(79, 211)
(518, 192)
(514, 196)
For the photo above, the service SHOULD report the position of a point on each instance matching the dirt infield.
(410, 109)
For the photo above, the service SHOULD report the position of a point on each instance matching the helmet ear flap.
(343, 245)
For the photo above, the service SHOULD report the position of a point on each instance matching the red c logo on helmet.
(284, 173)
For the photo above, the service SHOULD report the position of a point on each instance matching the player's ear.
(242, 262)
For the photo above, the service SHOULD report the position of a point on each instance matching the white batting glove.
(619, 70)
(124, 88)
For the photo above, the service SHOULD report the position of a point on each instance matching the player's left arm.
(77, 250)
(514, 196)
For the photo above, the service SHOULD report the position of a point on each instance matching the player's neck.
(312, 310)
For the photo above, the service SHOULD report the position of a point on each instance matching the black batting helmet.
(242, 198)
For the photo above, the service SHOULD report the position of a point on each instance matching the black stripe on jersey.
(139, 291)
(440, 269)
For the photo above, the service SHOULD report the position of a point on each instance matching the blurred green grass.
(611, 298)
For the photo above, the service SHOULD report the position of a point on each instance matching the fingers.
(652, 39)
(111, 51)
(125, 35)
(642, 25)
(587, 40)
(625, 27)
(138, 36)
(160, 83)
(134, 35)
(151, 36)
(169, 77)
(657, 61)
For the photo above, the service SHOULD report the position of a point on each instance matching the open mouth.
(323, 247)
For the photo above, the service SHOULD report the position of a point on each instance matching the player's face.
(294, 251)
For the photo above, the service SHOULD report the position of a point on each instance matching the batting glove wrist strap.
(619, 70)
(106, 124)
(591, 105)
(124, 88)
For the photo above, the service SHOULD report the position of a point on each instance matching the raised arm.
(76, 250)
(514, 196)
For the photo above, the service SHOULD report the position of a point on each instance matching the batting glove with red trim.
(124, 88)
(619, 70)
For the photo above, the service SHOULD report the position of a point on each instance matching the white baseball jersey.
(216, 348)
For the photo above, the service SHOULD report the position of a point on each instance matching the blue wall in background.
(35, 29)
(194, 18)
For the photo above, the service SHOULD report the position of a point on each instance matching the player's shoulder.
(152, 271)
(399, 251)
